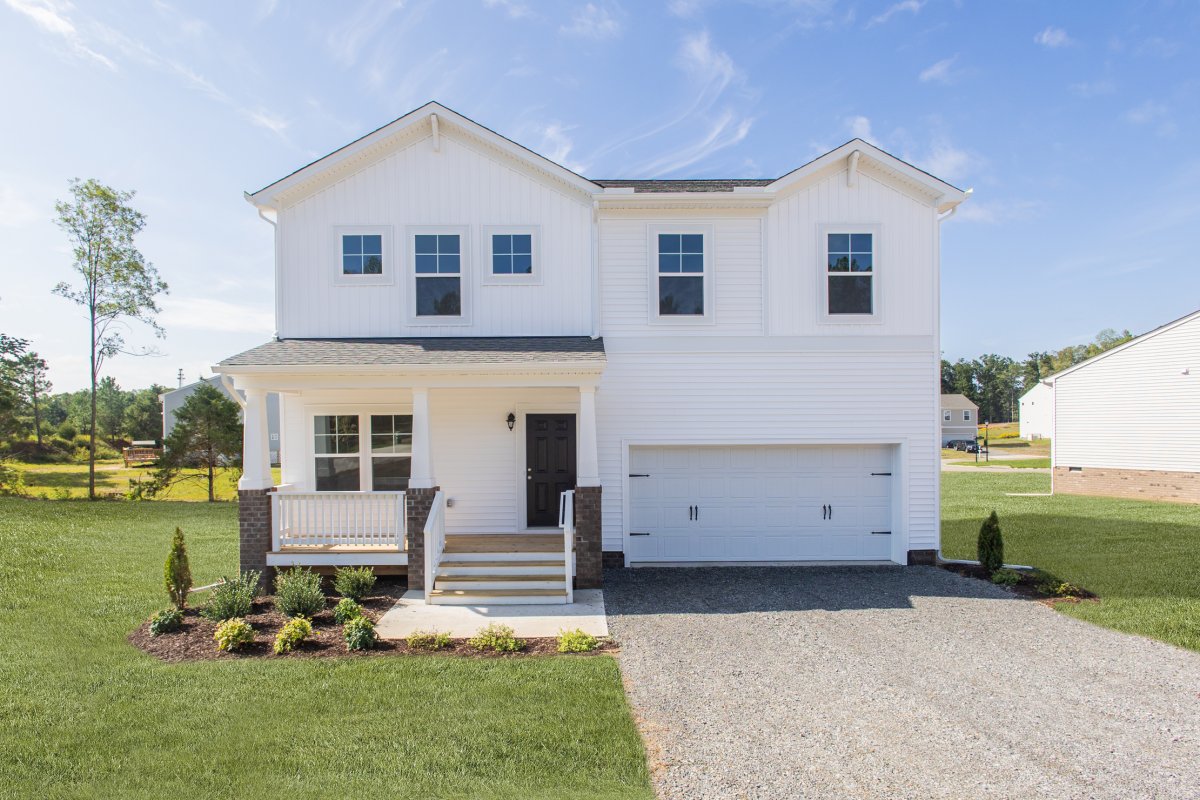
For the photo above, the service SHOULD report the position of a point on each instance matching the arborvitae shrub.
(177, 575)
(991, 544)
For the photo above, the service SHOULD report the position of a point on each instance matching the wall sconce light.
(512, 420)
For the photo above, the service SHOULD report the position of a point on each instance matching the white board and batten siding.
(1136, 407)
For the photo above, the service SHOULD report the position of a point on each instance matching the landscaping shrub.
(233, 634)
(1006, 577)
(576, 641)
(359, 634)
(12, 481)
(991, 544)
(1056, 587)
(298, 593)
(354, 582)
(346, 610)
(165, 621)
(498, 638)
(292, 634)
(234, 598)
(177, 575)
(428, 640)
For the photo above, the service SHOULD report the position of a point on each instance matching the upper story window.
(849, 275)
(681, 275)
(360, 253)
(511, 255)
(945, 416)
(966, 416)
(438, 268)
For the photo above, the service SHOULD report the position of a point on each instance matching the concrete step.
(540, 566)
(484, 582)
(497, 597)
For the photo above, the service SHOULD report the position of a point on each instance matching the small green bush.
(233, 634)
(67, 431)
(1006, 577)
(498, 638)
(294, 631)
(346, 610)
(298, 593)
(354, 582)
(1059, 588)
(428, 640)
(576, 641)
(233, 598)
(165, 621)
(177, 575)
(991, 544)
(12, 481)
(359, 634)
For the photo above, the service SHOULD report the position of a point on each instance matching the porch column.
(421, 476)
(587, 468)
(256, 443)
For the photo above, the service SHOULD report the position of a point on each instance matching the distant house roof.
(958, 401)
(704, 185)
(423, 352)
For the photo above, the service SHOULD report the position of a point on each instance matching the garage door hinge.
(639, 533)
(881, 473)
(639, 474)
(882, 533)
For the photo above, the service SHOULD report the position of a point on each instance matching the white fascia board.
(735, 199)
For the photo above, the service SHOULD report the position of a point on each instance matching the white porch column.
(587, 468)
(422, 459)
(256, 443)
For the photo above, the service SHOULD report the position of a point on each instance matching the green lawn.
(71, 480)
(86, 715)
(1141, 558)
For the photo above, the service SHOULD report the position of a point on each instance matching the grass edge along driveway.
(1142, 558)
(87, 715)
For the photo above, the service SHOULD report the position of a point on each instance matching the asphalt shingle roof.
(429, 351)
(706, 185)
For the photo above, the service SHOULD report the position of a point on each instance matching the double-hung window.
(362, 452)
(438, 271)
(391, 452)
(680, 274)
(967, 415)
(336, 452)
(849, 274)
(945, 416)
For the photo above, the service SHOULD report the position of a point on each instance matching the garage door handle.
(639, 474)
(831, 512)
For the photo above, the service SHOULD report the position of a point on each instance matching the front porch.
(480, 483)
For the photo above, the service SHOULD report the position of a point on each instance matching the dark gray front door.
(550, 465)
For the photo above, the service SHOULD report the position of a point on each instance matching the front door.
(549, 465)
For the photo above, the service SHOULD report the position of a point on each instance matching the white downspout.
(596, 304)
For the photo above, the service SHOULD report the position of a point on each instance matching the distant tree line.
(996, 383)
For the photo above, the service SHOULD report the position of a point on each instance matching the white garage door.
(760, 503)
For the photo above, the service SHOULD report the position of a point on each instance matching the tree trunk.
(92, 443)
(211, 498)
(37, 418)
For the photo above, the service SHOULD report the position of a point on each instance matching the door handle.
(831, 512)
(824, 512)
(697, 513)
(691, 513)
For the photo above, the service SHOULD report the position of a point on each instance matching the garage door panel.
(760, 503)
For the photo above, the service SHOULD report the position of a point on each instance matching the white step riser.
(450, 572)
(450, 584)
(502, 556)
(499, 601)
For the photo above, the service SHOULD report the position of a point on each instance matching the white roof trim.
(1136, 340)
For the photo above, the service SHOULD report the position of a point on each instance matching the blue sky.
(1070, 121)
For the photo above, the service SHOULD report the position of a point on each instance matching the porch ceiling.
(429, 352)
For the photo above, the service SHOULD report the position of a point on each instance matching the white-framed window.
(361, 255)
(361, 451)
(849, 273)
(681, 279)
(945, 416)
(966, 415)
(438, 275)
(511, 255)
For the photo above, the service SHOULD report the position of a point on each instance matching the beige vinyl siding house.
(959, 418)
(484, 357)
(1127, 422)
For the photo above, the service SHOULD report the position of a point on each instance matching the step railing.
(435, 542)
(566, 521)
(348, 519)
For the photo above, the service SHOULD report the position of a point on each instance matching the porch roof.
(423, 352)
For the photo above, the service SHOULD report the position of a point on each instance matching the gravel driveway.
(891, 682)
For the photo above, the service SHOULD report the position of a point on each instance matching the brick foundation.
(612, 559)
(1135, 484)
(589, 564)
(254, 532)
(926, 558)
(417, 503)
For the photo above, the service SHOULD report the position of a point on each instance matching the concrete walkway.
(411, 614)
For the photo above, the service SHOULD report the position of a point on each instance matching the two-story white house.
(496, 374)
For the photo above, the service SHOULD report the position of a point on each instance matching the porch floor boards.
(337, 548)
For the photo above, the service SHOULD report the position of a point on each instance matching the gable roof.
(687, 185)
(956, 402)
(1195, 315)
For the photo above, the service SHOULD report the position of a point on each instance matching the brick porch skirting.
(589, 562)
(254, 532)
(418, 503)
(1135, 484)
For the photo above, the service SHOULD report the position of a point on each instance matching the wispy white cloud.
(859, 128)
(513, 8)
(905, 6)
(593, 21)
(266, 119)
(52, 17)
(1053, 37)
(346, 42)
(686, 8)
(1153, 114)
(1094, 88)
(940, 72)
(999, 211)
(1157, 46)
(216, 316)
(556, 143)
(946, 161)
(726, 131)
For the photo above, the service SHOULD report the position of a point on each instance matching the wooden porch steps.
(504, 543)
(497, 597)
(501, 569)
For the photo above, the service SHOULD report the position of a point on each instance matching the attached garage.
(756, 503)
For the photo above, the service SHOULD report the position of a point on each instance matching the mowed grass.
(87, 715)
(1141, 558)
(71, 480)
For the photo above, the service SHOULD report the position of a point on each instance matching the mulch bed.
(193, 641)
(1029, 586)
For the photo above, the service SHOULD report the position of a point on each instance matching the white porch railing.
(435, 542)
(345, 519)
(566, 521)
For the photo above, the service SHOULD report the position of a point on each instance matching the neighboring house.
(960, 419)
(1037, 411)
(1127, 422)
(173, 399)
(482, 355)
